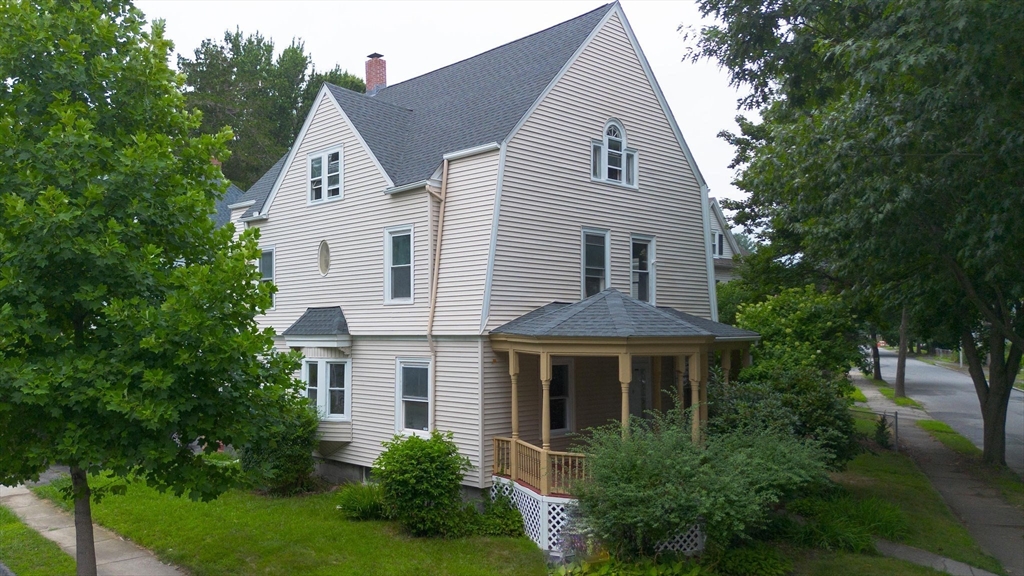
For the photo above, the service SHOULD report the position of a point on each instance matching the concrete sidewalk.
(115, 556)
(995, 525)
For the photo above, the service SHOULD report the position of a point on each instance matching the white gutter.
(407, 187)
(436, 267)
(237, 205)
(471, 151)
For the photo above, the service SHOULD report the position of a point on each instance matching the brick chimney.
(376, 73)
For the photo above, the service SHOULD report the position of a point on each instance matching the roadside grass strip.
(819, 563)
(244, 533)
(858, 395)
(894, 478)
(1008, 482)
(891, 395)
(27, 553)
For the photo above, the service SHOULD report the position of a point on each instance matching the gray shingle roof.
(611, 314)
(409, 126)
(259, 191)
(328, 321)
(222, 215)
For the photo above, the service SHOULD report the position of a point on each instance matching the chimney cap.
(375, 55)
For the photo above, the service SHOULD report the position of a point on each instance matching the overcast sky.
(417, 37)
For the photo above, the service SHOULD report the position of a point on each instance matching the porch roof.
(611, 314)
(329, 321)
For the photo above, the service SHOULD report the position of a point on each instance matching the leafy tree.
(127, 331)
(891, 149)
(239, 83)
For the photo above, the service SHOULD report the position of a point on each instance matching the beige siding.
(547, 194)
(727, 252)
(466, 243)
(353, 227)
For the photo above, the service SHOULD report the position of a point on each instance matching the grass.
(902, 401)
(858, 396)
(242, 533)
(894, 478)
(1005, 479)
(27, 553)
(818, 563)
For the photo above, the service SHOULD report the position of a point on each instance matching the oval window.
(324, 258)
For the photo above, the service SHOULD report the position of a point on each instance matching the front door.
(640, 387)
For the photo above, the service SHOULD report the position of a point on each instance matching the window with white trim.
(266, 269)
(596, 275)
(326, 175)
(610, 159)
(641, 268)
(328, 387)
(412, 395)
(398, 267)
(559, 397)
(721, 245)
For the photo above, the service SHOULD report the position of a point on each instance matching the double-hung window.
(720, 246)
(326, 175)
(412, 395)
(610, 159)
(266, 269)
(328, 387)
(641, 268)
(398, 269)
(596, 275)
(559, 400)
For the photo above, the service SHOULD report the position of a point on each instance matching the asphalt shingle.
(329, 321)
(222, 214)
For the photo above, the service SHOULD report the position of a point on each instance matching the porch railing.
(546, 471)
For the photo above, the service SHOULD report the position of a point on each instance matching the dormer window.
(610, 160)
(326, 175)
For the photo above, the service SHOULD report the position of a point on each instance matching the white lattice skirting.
(544, 518)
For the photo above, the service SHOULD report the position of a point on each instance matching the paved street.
(949, 396)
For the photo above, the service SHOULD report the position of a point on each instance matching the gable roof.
(222, 212)
(611, 314)
(329, 321)
(723, 226)
(258, 192)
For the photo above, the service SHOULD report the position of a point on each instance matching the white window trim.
(273, 251)
(603, 158)
(583, 258)
(323, 387)
(652, 260)
(399, 413)
(570, 419)
(388, 233)
(340, 149)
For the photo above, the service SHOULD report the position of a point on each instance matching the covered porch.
(607, 358)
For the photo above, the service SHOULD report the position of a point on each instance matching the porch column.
(545, 406)
(681, 382)
(726, 364)
(695, 407)
(513, 372)
(704, 377)
(513, 449)
(625, 375)
(656, 378)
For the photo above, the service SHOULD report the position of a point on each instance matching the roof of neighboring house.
(329, 321)
(410, 125)
(259, 191)
(222, 214)
(611, 314)
(726, 229)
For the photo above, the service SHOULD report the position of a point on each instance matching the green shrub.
(279, 458)
(656, 483)
(612, 567)
(757, 559)
(421, 480)
(883, 436)
(500, 518)
(363, 502)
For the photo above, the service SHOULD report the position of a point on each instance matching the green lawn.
(818, 563)
(242, 533)
(858, 396)
(895, 478)
(1008, 482)
(891, 395)
(27, 553)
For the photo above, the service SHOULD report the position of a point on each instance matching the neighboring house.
(723, 244)
(512, 248)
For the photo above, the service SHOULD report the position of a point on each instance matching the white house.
(723, 244)
(512, 247)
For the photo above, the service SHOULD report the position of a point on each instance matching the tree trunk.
(876, 359)
(84, 546)
(901, 361)
(993, 394)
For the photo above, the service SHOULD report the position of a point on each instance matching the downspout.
(435, 269)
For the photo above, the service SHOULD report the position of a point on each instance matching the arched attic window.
(611, 160)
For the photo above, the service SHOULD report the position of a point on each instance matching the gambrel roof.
(411, 125)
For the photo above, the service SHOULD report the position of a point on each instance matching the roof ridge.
(617, 312)
(584, 304)
(368, 98)
(477, 55)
